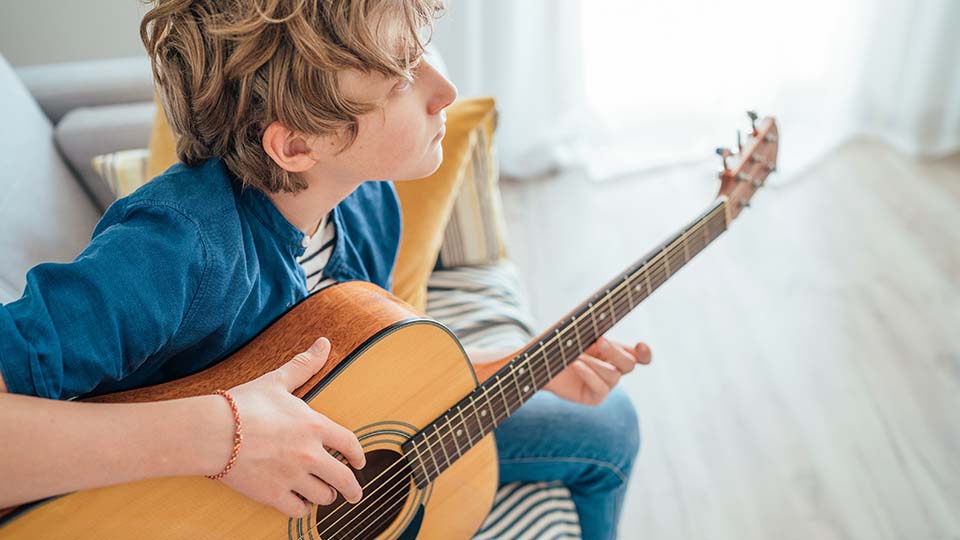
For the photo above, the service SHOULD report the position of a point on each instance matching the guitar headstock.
(746, 170)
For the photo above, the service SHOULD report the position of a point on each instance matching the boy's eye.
(403, 84)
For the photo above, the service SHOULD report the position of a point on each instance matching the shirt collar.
(292, 237)
(267, 212)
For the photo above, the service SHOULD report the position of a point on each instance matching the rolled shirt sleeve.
(101, 316)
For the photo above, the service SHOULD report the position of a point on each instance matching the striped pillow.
(476, 232)
(531, 510)
(124, 171)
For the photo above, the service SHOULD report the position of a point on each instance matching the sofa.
(58, 117)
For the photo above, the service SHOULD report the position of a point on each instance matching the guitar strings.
(658, 262)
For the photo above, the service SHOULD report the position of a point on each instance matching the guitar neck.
(439, 444)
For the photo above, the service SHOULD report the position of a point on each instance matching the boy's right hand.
(283, 449)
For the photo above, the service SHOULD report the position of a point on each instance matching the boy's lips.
(439, 135)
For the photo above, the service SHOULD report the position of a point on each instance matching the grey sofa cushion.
(44, 213)
(60, 88)
(90, 131)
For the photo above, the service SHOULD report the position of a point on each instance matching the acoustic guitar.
(403, 383)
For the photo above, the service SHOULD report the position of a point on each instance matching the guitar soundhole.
(385, 491)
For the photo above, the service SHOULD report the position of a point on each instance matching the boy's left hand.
(590, 377)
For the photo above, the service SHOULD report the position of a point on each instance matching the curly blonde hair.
(225, 69)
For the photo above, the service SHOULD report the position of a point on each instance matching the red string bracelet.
(237, 436)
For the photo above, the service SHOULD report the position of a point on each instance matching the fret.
(546, 361)
(473, 402)
(516, 385)
(532, 371)
(433, 445)
(697, 241)
(487, 412)
(646, 277)
(433, 458)
(673, 260)
(420, 461)
(569, 342)
(596, 333)
(454, 435)
(443, 447)
(630, 302)
(503, 397)
(613, 315)
(659, 280)
(677, 256)
(465, 427)
(576, 329)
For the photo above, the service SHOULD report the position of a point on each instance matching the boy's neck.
(305, 210)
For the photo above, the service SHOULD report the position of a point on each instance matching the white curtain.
(620, 86)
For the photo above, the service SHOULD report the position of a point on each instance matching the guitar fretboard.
(443, 441)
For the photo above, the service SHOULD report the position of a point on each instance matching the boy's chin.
(431, 166)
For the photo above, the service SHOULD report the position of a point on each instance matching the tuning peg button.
(724, 153)
(752, 115)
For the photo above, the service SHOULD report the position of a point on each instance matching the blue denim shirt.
(178, 275)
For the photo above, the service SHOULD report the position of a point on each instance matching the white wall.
(43, 31)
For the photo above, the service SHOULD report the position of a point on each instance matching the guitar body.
(390, 372)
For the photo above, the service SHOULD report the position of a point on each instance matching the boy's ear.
(289, 149)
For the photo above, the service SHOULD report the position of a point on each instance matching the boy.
(282, 109)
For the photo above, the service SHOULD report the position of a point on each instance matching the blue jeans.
(590, 449)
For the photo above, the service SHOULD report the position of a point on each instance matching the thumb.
(304, 365)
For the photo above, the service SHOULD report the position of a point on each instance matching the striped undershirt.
(317, 253)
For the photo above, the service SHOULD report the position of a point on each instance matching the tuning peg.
(752, 115)
(724, 153)
(739, 143)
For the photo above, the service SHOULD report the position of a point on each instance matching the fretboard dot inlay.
(483, 413)
(459, 432)
(569, 342)
(602, 315)
(521, 371)
(526, 387)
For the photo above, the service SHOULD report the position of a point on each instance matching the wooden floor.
(806, 374)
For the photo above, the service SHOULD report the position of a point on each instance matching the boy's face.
(401, 141)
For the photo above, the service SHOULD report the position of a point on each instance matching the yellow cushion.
(426, 203)
(163, 146)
